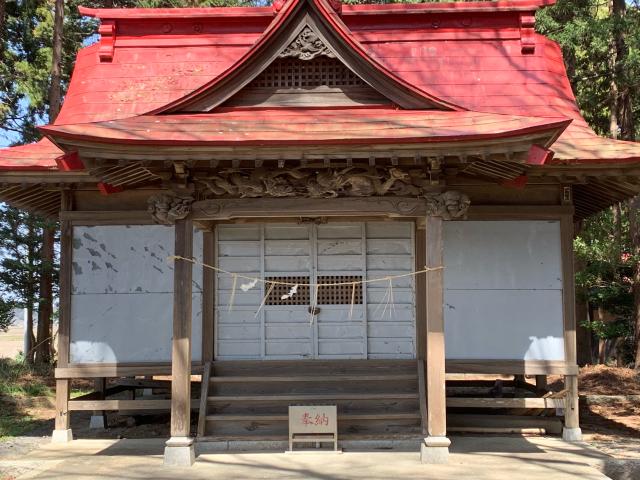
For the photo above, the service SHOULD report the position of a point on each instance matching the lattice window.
(340, 294)
(329, 295)
(294, 73)
(301, 297)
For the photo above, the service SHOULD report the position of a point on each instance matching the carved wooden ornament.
(449, 205)
(322, 183)
(166, 209)
(307, 46)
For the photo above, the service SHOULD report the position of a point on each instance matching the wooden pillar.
(99, 417)
(208, 296)
(179, 449)
(62, 432)
(571, 430)
(541, 384)
(435, 447)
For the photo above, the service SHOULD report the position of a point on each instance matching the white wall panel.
(122, 294)
(503, 290)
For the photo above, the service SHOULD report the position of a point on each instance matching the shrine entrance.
(346, 319)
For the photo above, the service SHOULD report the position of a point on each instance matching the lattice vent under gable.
(291, 73)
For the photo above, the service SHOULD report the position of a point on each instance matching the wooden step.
(316, 378)
(278, 417)
(298, 368)
(313, 398)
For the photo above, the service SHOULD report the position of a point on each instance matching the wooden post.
(208, 297)
(435, 448)
(571, 430)
(99, 417)
(62, 432)
(541, 384)
(179, 449)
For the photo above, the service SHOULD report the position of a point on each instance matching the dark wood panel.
(307, 97)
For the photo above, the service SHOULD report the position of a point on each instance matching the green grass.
(19, 381)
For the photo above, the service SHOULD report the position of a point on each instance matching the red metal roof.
(36, 156)
(466, 54)
(296, 126)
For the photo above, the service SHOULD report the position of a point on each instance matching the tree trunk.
(3, 9)
(43, 340)
(634, 232)
(620, 101)
(55, 89)
(28, 335)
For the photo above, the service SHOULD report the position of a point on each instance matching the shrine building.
(310, 203)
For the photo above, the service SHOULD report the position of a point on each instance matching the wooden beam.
(511, 367)
(117, 370)
(227, 209)
(89, 405)
(128, 217)
(181, 342)
(533, 402)
(519, 212)
(435, 357)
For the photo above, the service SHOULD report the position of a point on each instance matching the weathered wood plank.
(226, 209)
(505, 367)
(117, 370)
(204, 394)
(181, 343)
(63, 420)
(88, 405)
(208, 296)
(315, 378)
(313, 397)
(435, 356)
(462, 402)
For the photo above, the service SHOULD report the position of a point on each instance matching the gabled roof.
(481, 57)
(288, 23)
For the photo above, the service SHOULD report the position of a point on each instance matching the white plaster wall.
(122, 294)
(503, 290)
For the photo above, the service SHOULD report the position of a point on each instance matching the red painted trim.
(518, 183)
(108, 189)
(69, 162)
(218, 12)
(539, 155)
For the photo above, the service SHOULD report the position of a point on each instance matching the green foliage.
(7, 310)
(585, 31)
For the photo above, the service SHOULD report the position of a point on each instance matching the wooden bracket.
(527, 33)
(69, 162)
(107, 31)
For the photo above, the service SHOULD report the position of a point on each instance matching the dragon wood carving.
(326, 183)
(307, 46)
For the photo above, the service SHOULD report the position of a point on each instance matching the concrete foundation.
(572, 434)
(61, 436)
(179, 452)
(474, 458)
(97, 421)
(435, 450)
